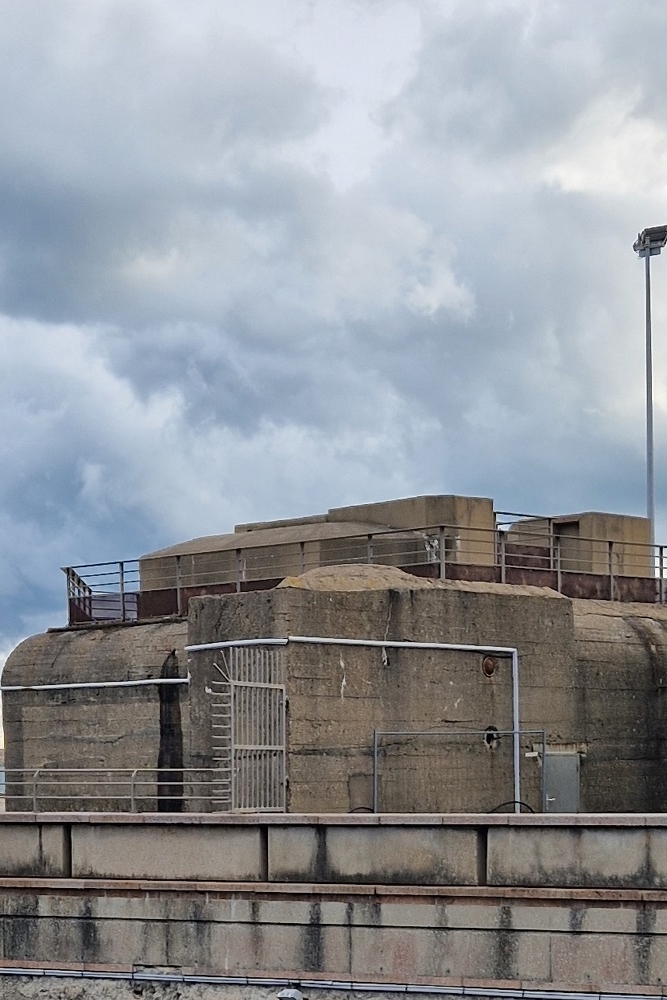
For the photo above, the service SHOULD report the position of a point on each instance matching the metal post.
(443, 554)
(501, 552)
(610, 559)
(178, 586)
(375, 770)
(650, 483)
(132, 796)
(34, 789)
(369, 549)
(121, 589)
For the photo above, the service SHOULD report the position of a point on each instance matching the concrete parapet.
(403, 855)
(502, 851)
(168, 851)
(631, 857)
(35, 849)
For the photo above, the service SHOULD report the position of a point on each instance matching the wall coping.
(476, 820)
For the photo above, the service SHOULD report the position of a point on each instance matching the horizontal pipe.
(95, 684)
(235, 642)
(325, 984)
(337, 641)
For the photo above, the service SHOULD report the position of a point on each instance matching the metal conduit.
(325, 984)
(95, 684)
(511, 651)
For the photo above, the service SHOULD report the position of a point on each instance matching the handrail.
(143, 787)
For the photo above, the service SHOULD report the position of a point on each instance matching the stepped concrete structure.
(416, 744)
(337, 688)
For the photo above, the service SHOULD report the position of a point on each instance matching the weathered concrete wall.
(125, 727)
(602, 924)
(400, 937)
(592, 674)
(339, 695)
(620, 704)
(500, 851)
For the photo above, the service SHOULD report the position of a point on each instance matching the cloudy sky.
(261, 259)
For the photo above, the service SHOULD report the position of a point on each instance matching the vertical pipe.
(283, 774)
(650, 484)
(559, 566)
(544, 764)
(516, 731)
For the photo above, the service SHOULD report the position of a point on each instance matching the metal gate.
(248, 729)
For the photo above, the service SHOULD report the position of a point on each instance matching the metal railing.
(520, 549)
(400, 742)
(139, 789)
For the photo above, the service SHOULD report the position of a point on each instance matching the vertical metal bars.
(248, 729)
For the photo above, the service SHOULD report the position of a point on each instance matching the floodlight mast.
(648, 244)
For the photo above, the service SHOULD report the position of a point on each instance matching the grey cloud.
(240, 338)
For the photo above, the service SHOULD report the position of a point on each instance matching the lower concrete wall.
(357, 933)
(547, 900)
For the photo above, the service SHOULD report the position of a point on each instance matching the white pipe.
(324, 984)
(235, 642)
(382, 644)
(95, 684)
(516, 736)
(337, 641)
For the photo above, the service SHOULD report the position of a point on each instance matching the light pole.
(648, 244)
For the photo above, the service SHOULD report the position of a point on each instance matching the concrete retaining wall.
(357, 897)
(574, 852)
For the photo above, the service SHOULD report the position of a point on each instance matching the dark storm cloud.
(123, 138)
(207, 319)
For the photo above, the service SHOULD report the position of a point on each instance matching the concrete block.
(226, 853)
(383, 854)
(598, 959)
(462, 916)
(32, 849)
(576, 856)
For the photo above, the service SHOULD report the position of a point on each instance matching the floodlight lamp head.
(291, 993)
(650, 241)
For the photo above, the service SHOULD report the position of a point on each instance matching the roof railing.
(519, 550)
